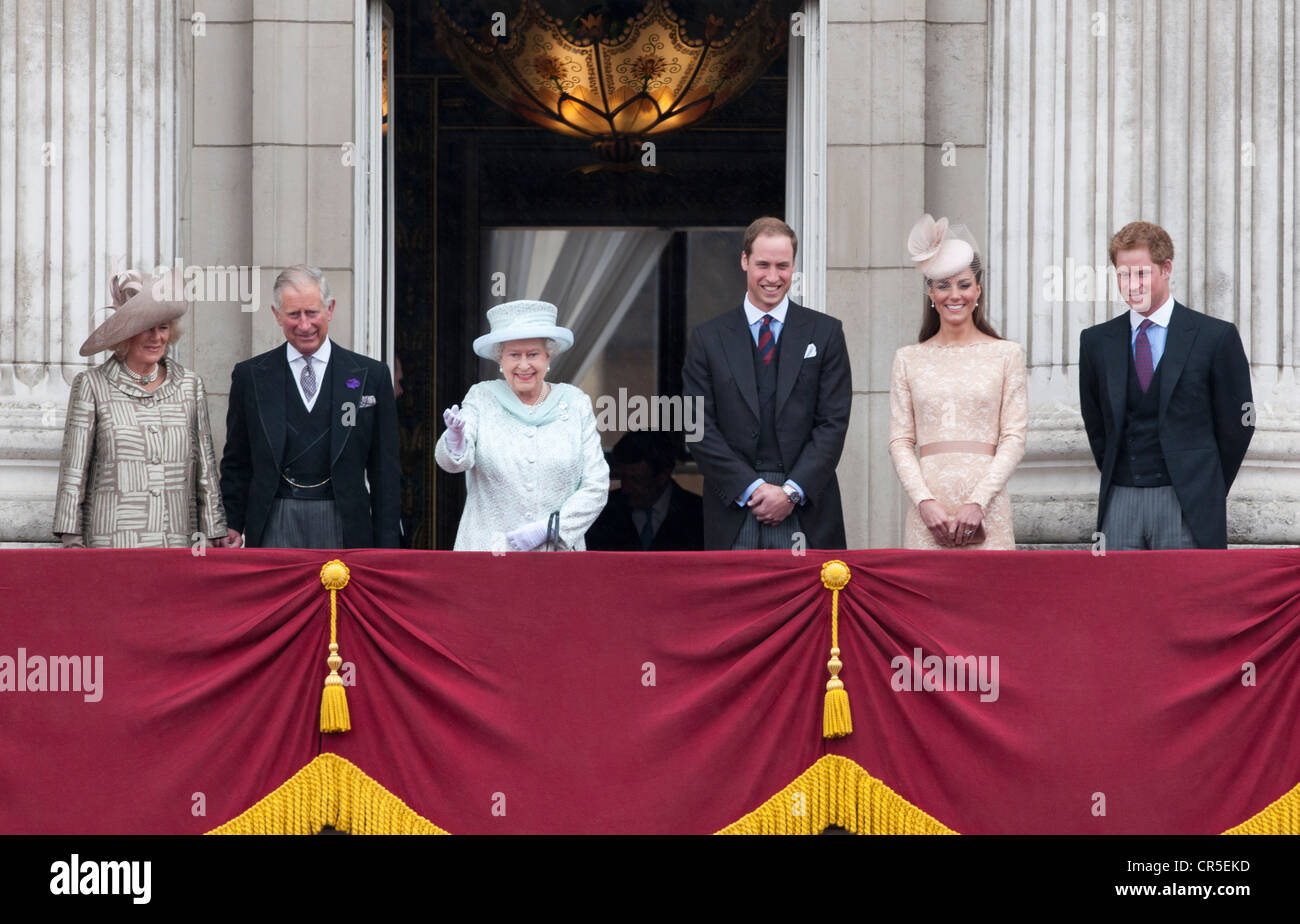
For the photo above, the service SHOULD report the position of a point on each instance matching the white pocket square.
(810, 352)
(367, 400)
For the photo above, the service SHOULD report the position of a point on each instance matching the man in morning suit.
(1166, 400)
(309, 424)
(774, 379)
(649, 511)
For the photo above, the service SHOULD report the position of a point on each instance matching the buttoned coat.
(365, 472)
(518, 473)
(814, 393)
(1207, 417)
(138, 468)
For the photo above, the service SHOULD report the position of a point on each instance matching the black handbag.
(552, 542)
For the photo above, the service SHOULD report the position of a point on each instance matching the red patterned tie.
(1142, 355)
(766, 345)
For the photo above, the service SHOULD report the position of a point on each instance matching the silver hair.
(552, 347)
(300, 277)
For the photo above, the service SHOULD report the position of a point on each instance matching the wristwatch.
(791, 494)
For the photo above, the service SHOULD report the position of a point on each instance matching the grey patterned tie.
(308, 378)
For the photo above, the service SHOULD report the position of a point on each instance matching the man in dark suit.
(649, 511)
(1166, 400)
(774, 380)
(309, 424)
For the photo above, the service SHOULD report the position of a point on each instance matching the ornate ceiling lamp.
(615, 83)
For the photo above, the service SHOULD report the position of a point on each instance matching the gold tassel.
(837, 720)
(334, 699)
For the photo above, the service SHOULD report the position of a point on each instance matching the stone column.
(905, 132)
(87, 187)
(1104, 113)
(269, 183)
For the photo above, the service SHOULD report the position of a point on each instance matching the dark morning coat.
(813, 398)
(681, 530)
(363, 446)
(1205, 406)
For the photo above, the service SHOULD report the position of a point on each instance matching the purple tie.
(766, 346)
(1142, 355)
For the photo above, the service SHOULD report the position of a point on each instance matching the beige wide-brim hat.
(937, 250)
(522, 320)
(136, 308)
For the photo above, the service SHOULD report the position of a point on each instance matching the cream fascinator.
(940, 251)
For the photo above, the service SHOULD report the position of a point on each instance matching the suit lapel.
(738, 346)
(344, 369)
(270, 377)
(1179, 337)
(795, 337)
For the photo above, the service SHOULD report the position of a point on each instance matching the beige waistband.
(986, 449)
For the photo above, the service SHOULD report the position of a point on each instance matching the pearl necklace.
(145, 379)
(532, 408)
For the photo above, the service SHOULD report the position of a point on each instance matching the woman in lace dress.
(958, 399)
(527, 447)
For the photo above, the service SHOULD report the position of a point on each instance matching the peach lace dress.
(971, 393)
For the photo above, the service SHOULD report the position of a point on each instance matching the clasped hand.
(770, 504)
(955, 530)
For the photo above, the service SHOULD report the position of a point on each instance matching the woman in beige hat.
(958, 396)
(138, 469)
(529, 448)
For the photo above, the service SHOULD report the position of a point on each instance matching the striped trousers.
(1145, 518)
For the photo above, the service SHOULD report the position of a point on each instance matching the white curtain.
(592, 276)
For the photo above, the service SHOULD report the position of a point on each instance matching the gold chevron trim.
(333, 791)
(1281, 817)
(836, 791)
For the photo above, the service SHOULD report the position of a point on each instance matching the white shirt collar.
(753, 315)
(1160, 316)
(322, 352)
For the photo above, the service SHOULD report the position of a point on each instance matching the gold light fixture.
(614, 83)
(383, 66)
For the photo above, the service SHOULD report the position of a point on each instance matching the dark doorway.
(465, 168)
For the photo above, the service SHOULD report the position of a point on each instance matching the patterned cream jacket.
(138, 469)
(519, 470)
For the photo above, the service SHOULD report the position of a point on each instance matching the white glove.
(527, 537)
(455, 429)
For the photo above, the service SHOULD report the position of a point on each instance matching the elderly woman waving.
(529, 448)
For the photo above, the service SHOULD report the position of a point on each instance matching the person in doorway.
(529, 448)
